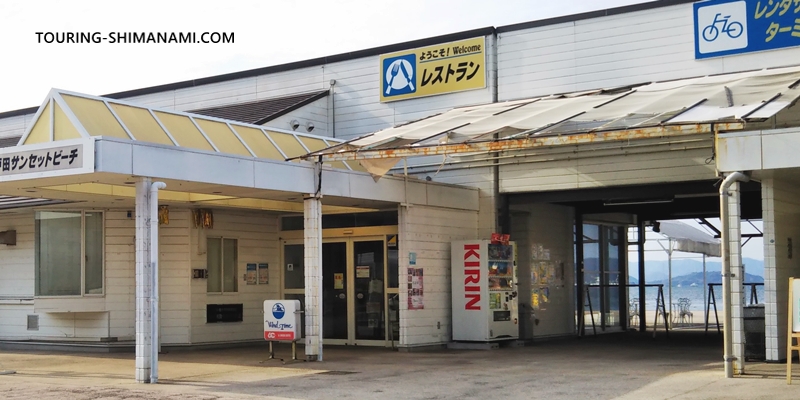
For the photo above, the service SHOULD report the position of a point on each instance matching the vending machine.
(484, 291)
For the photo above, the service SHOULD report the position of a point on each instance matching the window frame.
(222, 291)
(83, 293)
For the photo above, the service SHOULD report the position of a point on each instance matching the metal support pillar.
(143, 282)
(312, 240)
(579, 272)
(642, 288)
(732, 274)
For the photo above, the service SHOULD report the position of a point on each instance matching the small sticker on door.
(338, 281)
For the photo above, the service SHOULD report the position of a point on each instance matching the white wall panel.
(228, 92)
(624, 49)
(15, 126)
(291, 82)
(257, 235)
(164, 99)
(120, 273)
(549, 226)
(16, 262)
(481, 178)
(17, 271)
(428, 231)
(174, 277)
(660, 163)
(781, 216)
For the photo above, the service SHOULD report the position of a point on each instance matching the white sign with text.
(282, 320)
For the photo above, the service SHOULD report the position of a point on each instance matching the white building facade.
(215, 277)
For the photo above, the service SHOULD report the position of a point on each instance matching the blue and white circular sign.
(278, 310)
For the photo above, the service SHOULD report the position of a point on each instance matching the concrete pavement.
(624, 366)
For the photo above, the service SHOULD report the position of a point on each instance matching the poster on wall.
(250, 275)
(415, 289)
(560, 273)
(338, 281)
(263, 274)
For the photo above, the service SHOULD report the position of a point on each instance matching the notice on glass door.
(415, 292)
(338, 281)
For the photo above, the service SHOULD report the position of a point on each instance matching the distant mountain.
(657, 270)
(696, 278)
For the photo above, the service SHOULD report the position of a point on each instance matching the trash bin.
(754, 333)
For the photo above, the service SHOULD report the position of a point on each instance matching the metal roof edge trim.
(509, 144)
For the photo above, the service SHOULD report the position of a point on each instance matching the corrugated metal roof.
(262, 111)
(9, 141)
(679, 105)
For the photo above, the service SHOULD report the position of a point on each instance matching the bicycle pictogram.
(733, 29)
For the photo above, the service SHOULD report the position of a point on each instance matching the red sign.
(501, 238)
(472, 279)
(278, 335)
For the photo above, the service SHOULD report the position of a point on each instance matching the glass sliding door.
(335, 294)
(354, 288)
(602, 274)
(368, 257)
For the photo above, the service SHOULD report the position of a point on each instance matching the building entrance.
(358, 295)
(353, 290)
(604, 272)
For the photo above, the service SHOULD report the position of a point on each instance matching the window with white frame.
(222, 257)
(69, 253)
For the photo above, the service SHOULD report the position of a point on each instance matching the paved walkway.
(629, 366)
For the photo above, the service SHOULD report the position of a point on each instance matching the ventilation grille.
(33, 322)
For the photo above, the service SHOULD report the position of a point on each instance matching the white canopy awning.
(690, 240)
(688, 106)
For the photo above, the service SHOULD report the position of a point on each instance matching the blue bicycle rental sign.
(725, 27)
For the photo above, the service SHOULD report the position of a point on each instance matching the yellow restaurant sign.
(427, 71)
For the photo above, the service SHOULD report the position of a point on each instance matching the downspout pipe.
(727, 331)
(154, 317)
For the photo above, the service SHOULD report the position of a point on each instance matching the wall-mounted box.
(8, 237)
(199, 274)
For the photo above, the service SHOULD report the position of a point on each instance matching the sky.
(265, 33)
